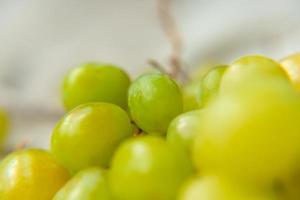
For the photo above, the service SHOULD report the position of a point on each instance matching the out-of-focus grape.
(252, 135)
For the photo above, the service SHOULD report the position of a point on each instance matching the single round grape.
(89, 134)
(183, 130)
(147, 168)
(93, 82)
(249, 69)
(31, 175)
(154, 100)
(252, 135)
(190, 94)
(88, 184)
(219, 188)
(292, 66)
(209, 87)
(3, 128)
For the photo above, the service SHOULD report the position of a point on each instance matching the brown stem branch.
(172, 33)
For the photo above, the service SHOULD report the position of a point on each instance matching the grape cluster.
(232, 134)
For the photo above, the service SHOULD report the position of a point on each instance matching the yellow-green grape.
(147, 168)
(154, 100)
(88, 184)
(252, 135)
(31, 175)
(183, 130)
(219, 188)
(209, 87)
(89, 134)
(292, 66)
(93, 82)
(3, 128)
(250, 69)
(190, 94)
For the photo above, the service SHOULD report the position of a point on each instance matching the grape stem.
(174, 36)
(21, 145)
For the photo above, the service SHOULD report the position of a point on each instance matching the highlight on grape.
(231, 134)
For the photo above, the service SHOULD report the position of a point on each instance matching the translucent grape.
(89, 134)
(147, 168)
(154, 100)
(31, 175)
(93, 82)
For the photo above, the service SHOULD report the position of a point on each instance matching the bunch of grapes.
(233, 134)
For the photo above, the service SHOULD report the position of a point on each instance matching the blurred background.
(41, 39)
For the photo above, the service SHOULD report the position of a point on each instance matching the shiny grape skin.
(147, 168)
(154, 100)
(94, 82)
(31, 175)
(88, 135)
(88, 184)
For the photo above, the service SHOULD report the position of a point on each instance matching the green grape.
(252, 135)
(89, 134)
(190, 92)
(249, 69)
(183, 129)
(3, 128)
(93, 82)
(88, 184)
(31, 175)
(154, 100)
(292, 66)
(209, 87)
(219, 188)
(147, 168)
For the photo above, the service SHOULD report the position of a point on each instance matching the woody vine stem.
(171, 31)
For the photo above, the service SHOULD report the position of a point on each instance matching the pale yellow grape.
(252, 135)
